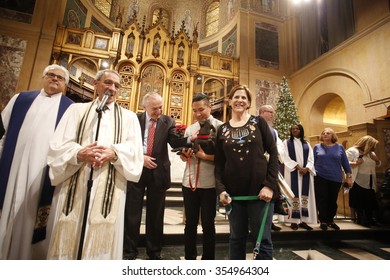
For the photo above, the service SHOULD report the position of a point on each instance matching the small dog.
(205, 139)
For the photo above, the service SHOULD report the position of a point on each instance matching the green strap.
(250, 197)
(256, 250)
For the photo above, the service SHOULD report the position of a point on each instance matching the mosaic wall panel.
(12, 51)
(266, 93)
(205, 60)
(99, 27)
(229, 43)
(210, 48)
(75, 14)
(265, 6)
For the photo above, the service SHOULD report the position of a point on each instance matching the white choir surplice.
(26, 177)
(289, 166)
(103, 236)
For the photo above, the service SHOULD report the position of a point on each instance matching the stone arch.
(325, 99)
(82, 72)
(328, 111)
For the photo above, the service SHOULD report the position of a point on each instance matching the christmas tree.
(286, 111)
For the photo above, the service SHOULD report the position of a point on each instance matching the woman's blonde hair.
(366, 144)
(331, 131)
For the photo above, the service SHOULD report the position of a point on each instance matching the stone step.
(171, 201)
(174, 191)
(174, 201)
(174, 234)
(174, 196)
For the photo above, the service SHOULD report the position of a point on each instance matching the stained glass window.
(212, 18)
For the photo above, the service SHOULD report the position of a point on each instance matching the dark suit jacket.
(2, 130)
(165, 133)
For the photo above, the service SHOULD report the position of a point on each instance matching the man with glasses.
(29, 121)
(158, 130)
(268, 113)
(95, 150)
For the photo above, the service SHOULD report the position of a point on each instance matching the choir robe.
(289, 166)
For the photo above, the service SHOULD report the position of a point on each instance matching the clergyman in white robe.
(25, 180)
(119, 130)
(289, 166)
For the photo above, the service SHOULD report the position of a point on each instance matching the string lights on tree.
(286, 111)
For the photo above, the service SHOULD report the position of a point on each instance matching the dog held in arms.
(205, 139)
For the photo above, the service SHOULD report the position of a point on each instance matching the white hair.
(57, 67)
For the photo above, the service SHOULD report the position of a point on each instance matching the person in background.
(299, 173)
(199, 191)
(89, 224)
(155, 179)
(330, 160)
(242, 169)
(268, 113)
(29, 120)
(362, 197)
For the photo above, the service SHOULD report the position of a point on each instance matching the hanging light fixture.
(105, 64)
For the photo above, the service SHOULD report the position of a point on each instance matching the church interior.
(334, 55)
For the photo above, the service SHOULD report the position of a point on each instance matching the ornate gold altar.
(148, 59)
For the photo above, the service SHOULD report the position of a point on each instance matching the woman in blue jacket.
(330, 160)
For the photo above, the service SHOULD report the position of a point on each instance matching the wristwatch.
(115, 158)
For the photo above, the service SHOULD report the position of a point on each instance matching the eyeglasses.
(272, 112)
(52, 76)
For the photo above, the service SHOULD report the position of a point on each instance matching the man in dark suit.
(155, 179)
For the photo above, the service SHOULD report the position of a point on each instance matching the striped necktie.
(151, 132)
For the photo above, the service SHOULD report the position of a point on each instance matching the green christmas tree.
(286, 111)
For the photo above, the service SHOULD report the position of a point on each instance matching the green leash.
(249, 197)
(256, 250)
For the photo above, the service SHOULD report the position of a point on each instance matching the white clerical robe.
(26, 178)
(289, 166)
(103, 235)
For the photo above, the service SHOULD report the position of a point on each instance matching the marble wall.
(12, 52)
